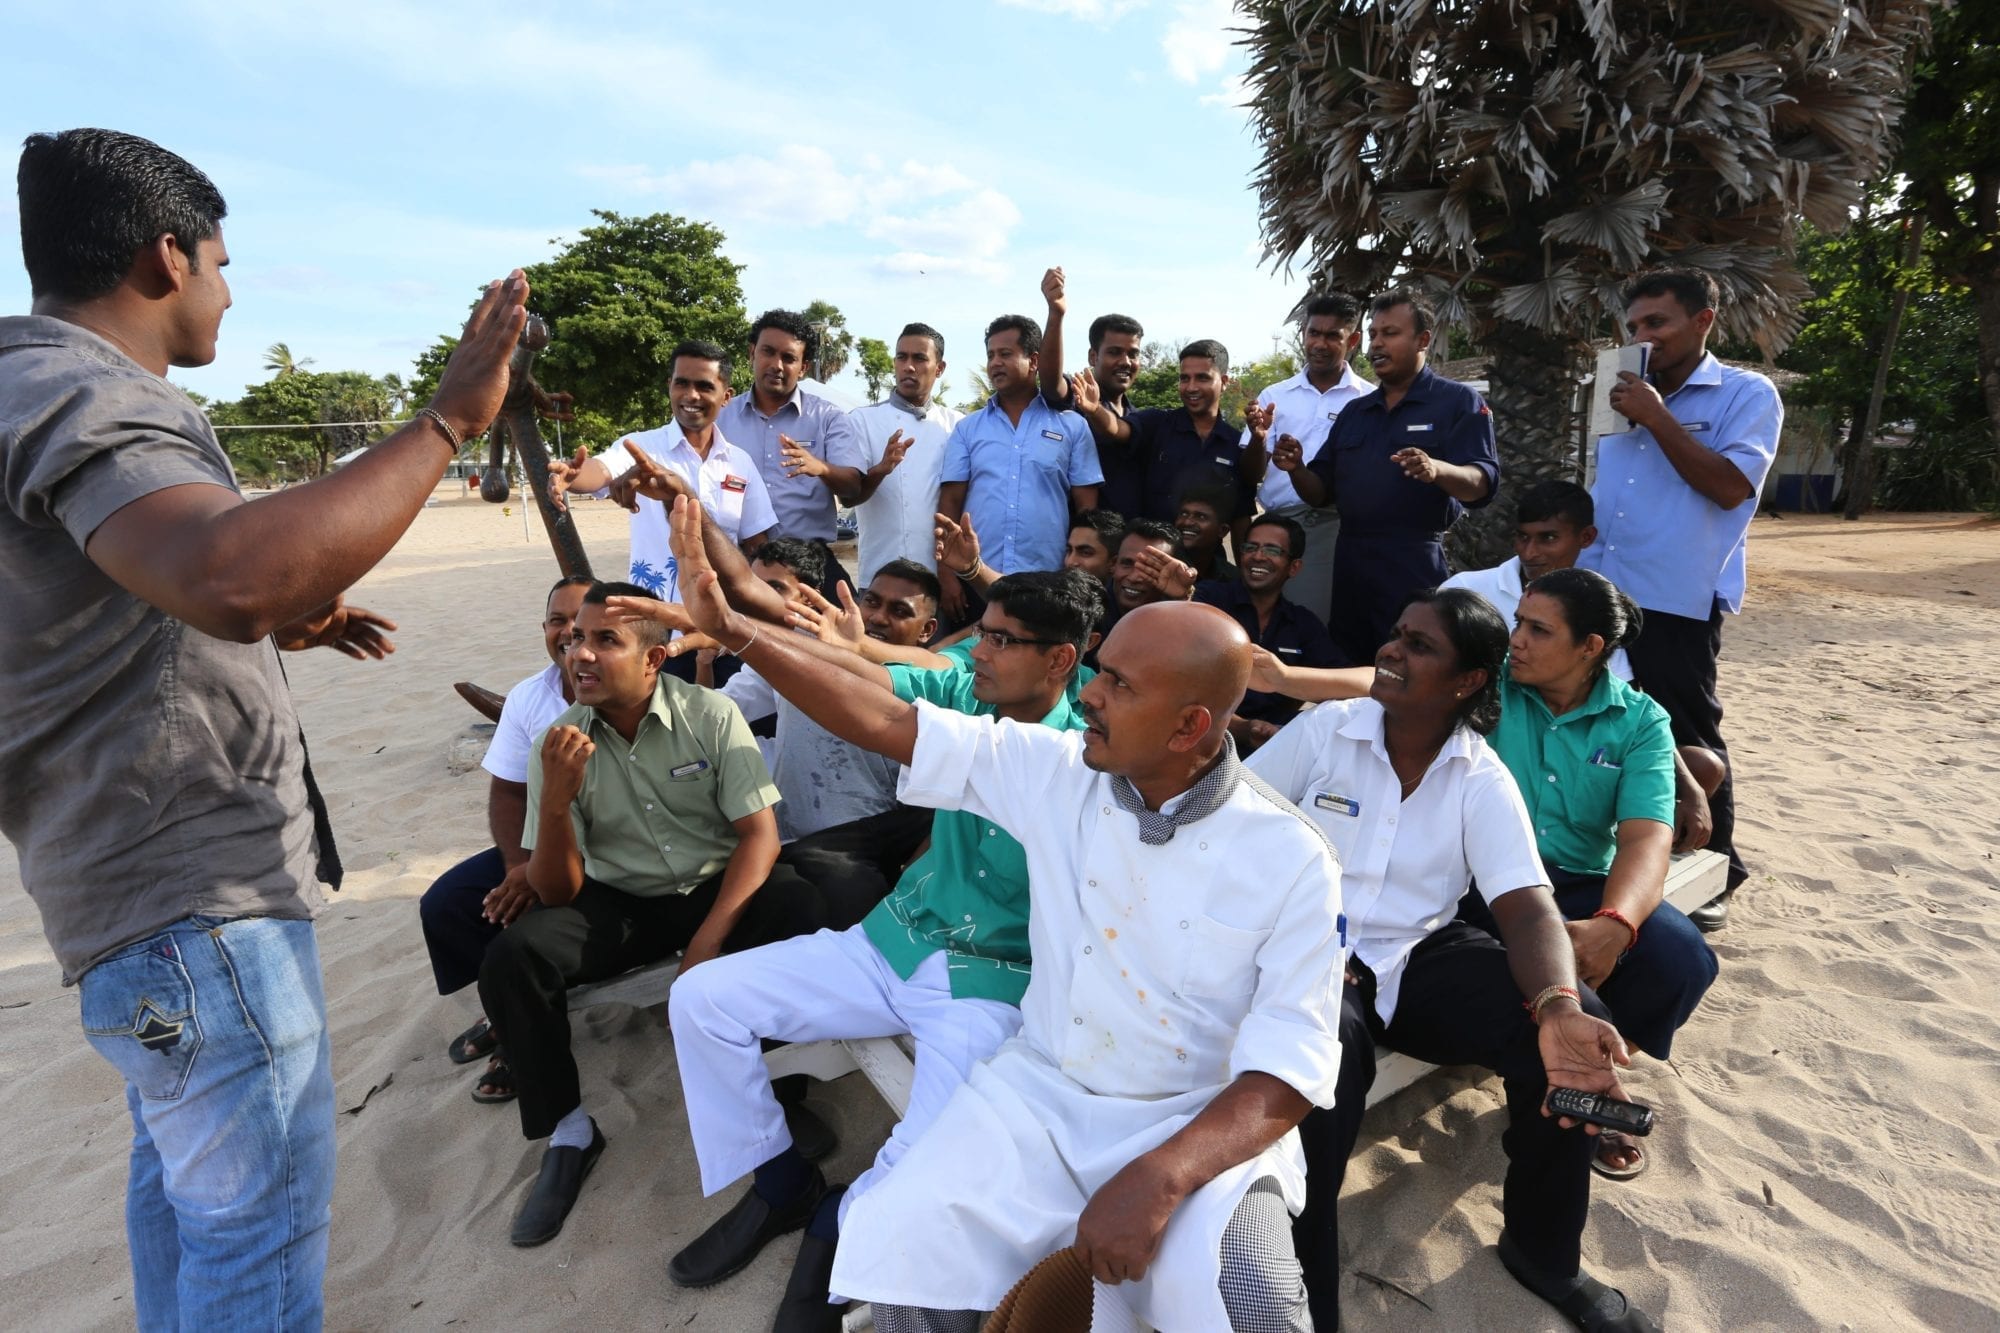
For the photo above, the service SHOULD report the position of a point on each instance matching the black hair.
(1555, 499)
(1104, 324)
(924, 331)
(1592, 604)
(1694, 289)
(1064, 605)
(1106, 523)
(568, 581)
(1295, 532)
(647, 632)
(700, 349)
(1339, 305)
(1153, 531)
(1204, 486)
(1422, 313)
(92, 199)
(1210, 348)
(806, 559)
(1479, 642)
(1031, 332)
(787, 321)
(911, 572)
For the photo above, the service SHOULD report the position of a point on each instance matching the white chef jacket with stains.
(1403, 864)
(1161, 975)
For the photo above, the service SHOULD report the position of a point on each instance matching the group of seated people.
(1465, 840)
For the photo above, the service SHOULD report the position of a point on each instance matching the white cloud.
(1101, 12)
(1233, 93)
(1196, 42)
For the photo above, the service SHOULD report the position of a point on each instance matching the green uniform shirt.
(1584, 773)
(657, 817)
(968, 894)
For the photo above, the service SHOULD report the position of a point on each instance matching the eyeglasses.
(998, 639)
(1267, 548)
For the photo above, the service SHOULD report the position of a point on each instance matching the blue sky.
(381, 161)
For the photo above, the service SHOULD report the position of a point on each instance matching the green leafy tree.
(303, 400)
(1518, 160)
(836, 344)
(618, 298)
(1158, 383)
(878, 366)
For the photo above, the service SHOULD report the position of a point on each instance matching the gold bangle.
(443, 425)
(967, 574)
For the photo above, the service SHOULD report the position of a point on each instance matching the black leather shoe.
(1583, 1300)
(805, 1307)
(1712, 915)
(563, 1172)
(727, 1248)
(812, 1137)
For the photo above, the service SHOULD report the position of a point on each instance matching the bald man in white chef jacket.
(1181, 1018)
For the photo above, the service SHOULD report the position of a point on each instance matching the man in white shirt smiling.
(903, 437)
(1180, 1019)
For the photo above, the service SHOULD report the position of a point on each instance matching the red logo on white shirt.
(735, 483)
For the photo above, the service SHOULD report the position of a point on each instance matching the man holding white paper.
(1674, 497)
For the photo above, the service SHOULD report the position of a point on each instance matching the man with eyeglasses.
(1255, 599)
(943, 958)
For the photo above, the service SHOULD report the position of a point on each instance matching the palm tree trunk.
(1861, 481)
(1532, 388)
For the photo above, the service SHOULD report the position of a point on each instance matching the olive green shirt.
(657, 816)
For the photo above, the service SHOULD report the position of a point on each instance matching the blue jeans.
(219, 1029)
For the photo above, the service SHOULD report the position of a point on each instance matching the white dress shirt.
(899, 521)
(1404, 863)
(731, 491)
(1501, 587)
(531, 706)
(1305, 414)
(1162, 974)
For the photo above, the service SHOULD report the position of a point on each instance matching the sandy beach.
(1827, 1154)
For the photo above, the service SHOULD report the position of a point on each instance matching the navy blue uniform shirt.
(1295, 635)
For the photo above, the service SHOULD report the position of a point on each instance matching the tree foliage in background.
(1951, 160)
(1519, 158)
(836, 343)
(878, 367)
(1159, 383)
(299, 397)
(617, 299)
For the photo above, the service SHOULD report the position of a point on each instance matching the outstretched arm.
(239, 571)
(858, 711)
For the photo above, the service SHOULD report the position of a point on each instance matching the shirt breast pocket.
(1221, 960)
(1596, 804)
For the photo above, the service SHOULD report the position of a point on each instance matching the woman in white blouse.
(1418, 807)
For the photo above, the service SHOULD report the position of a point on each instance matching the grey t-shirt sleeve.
(107, 443)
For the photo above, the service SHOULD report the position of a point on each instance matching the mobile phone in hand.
(1594, 1108)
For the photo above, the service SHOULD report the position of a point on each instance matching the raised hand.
(798, 460)
(1416, 464)
(1582, 1052)
(1174, 578)
(1053, 290)
(701, 587)
(957, 543)
(1257, 420)
(353, 630)
(562, 475)
(1083, 388)
(1288, 455)
(565, 756)
(625, 610)
(654, 481)
(475, 378)
(843, 626)
(892, 453)
(1636, 400)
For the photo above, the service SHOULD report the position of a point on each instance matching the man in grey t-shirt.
(154, 781)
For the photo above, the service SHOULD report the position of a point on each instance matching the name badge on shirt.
(1420, 425)
(1292, 651)
(734, 483)
(1055, 435)
(1345, 805)
(686, 770)
(1694, 425)
(1331, 415)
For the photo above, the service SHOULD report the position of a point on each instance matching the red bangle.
(1622, 920)
(1548, 996)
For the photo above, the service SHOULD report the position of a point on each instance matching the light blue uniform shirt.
(1669, 547)
(804, 505)
(1018, 480)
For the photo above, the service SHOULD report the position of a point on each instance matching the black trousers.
(854, 865)
(529, 967)
(456, 931)
(1674, 661)
(1458, 1006)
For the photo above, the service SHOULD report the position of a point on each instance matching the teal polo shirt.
(1586, 772)
(968, 894)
